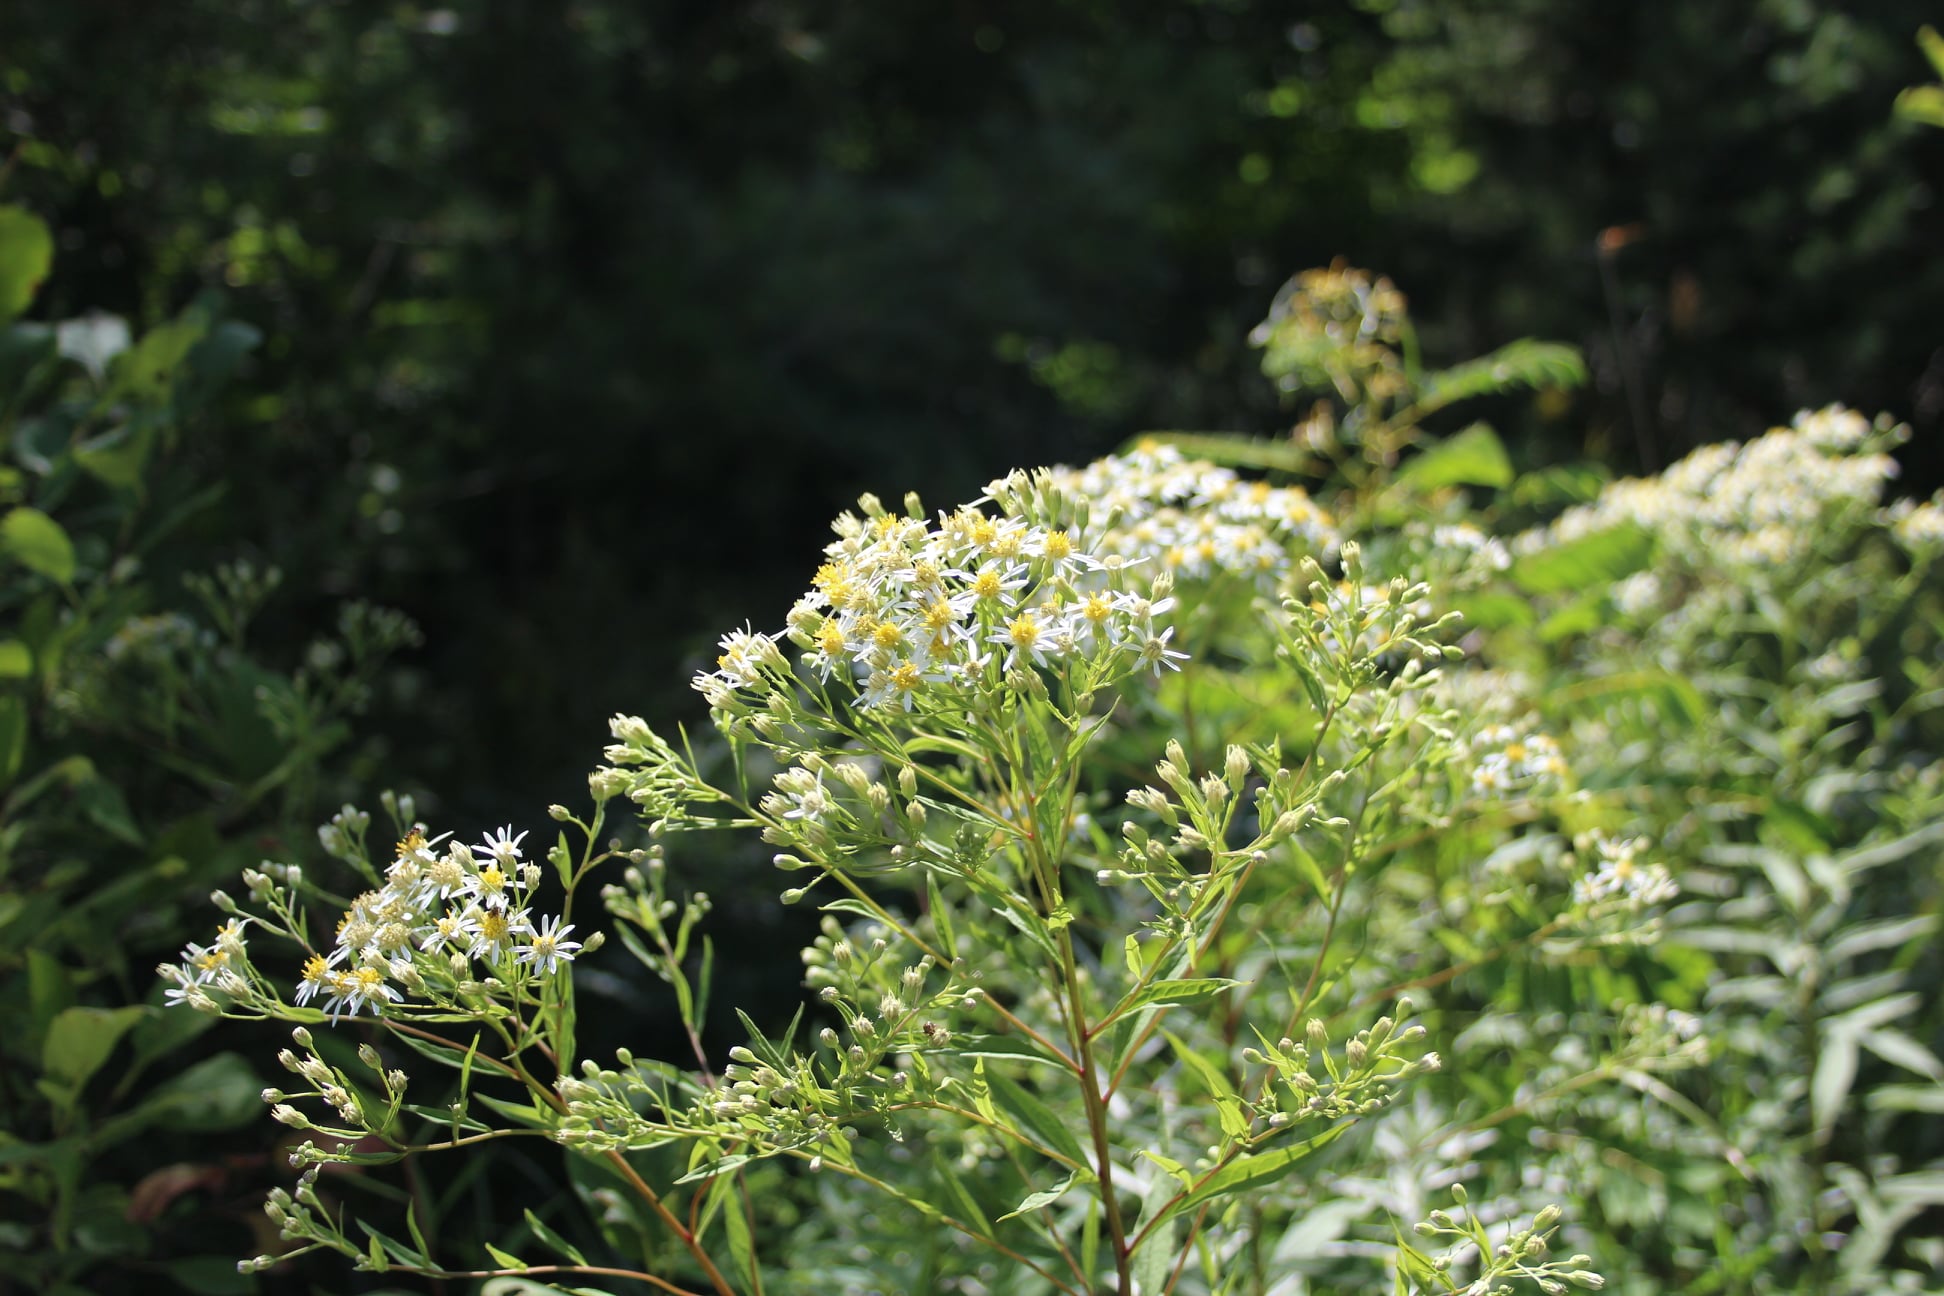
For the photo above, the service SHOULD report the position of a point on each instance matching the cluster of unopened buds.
(1523, 1254)
(1373, 1063)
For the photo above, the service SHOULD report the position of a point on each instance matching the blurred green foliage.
(566, 326)
(146, 753)
(551, 292)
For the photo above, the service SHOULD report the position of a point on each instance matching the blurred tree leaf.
(26, 254)
(1472, 457)
(38, 543)
(1588, 562)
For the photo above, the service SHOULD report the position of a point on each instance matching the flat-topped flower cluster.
(1071, 566)
(1763, 503)
(1198, 519)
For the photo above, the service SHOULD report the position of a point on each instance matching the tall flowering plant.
(1086, 1001)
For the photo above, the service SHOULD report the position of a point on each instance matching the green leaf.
(1923, 104)
(1491, 610)
(418, 1234)
(1213, 1081)
(1414, 1264)
(560, 1244)
(1045, 1197)
(735, 1223)
(148, 371)
(1035, 1117)
(217, 1093)
(1179, 1172)
(1887, 933)
(962, 1202)
(26, 254)
(1232, 1117)
(1473, 457)
(1586, 562)
(1875, 856)
(1258, 1169)
(504, 1259)
(1010, 1047)
(1899, 1049)
(1166, 992)
(1835, 1072)
(523, 1113)
(80, 1040)
(1581, 616)
(16, 660)
(1907, 1097)
(1548, 489)
(1159, 1250)
(1933, 46)
(13, 737)
(118, 457)
(1524, 363)
(1675, 699)
(37, 542)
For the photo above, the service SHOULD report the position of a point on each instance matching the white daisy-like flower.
(501, 845)
(365, 986)
(496, 930)
(549, 947)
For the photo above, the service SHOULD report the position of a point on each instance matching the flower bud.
(1236, 767)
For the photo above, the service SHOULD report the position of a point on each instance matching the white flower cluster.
(1918, 527)
(468, 902)
(1760, 504)
(1509, 757)
(908, 609)
(1196, 519)
(1477, 551)
(1619, 875)
(208, 967)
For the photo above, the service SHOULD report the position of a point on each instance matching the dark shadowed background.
(580, 319)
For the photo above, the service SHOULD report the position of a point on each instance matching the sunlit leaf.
(26, 253)
(38, 543)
